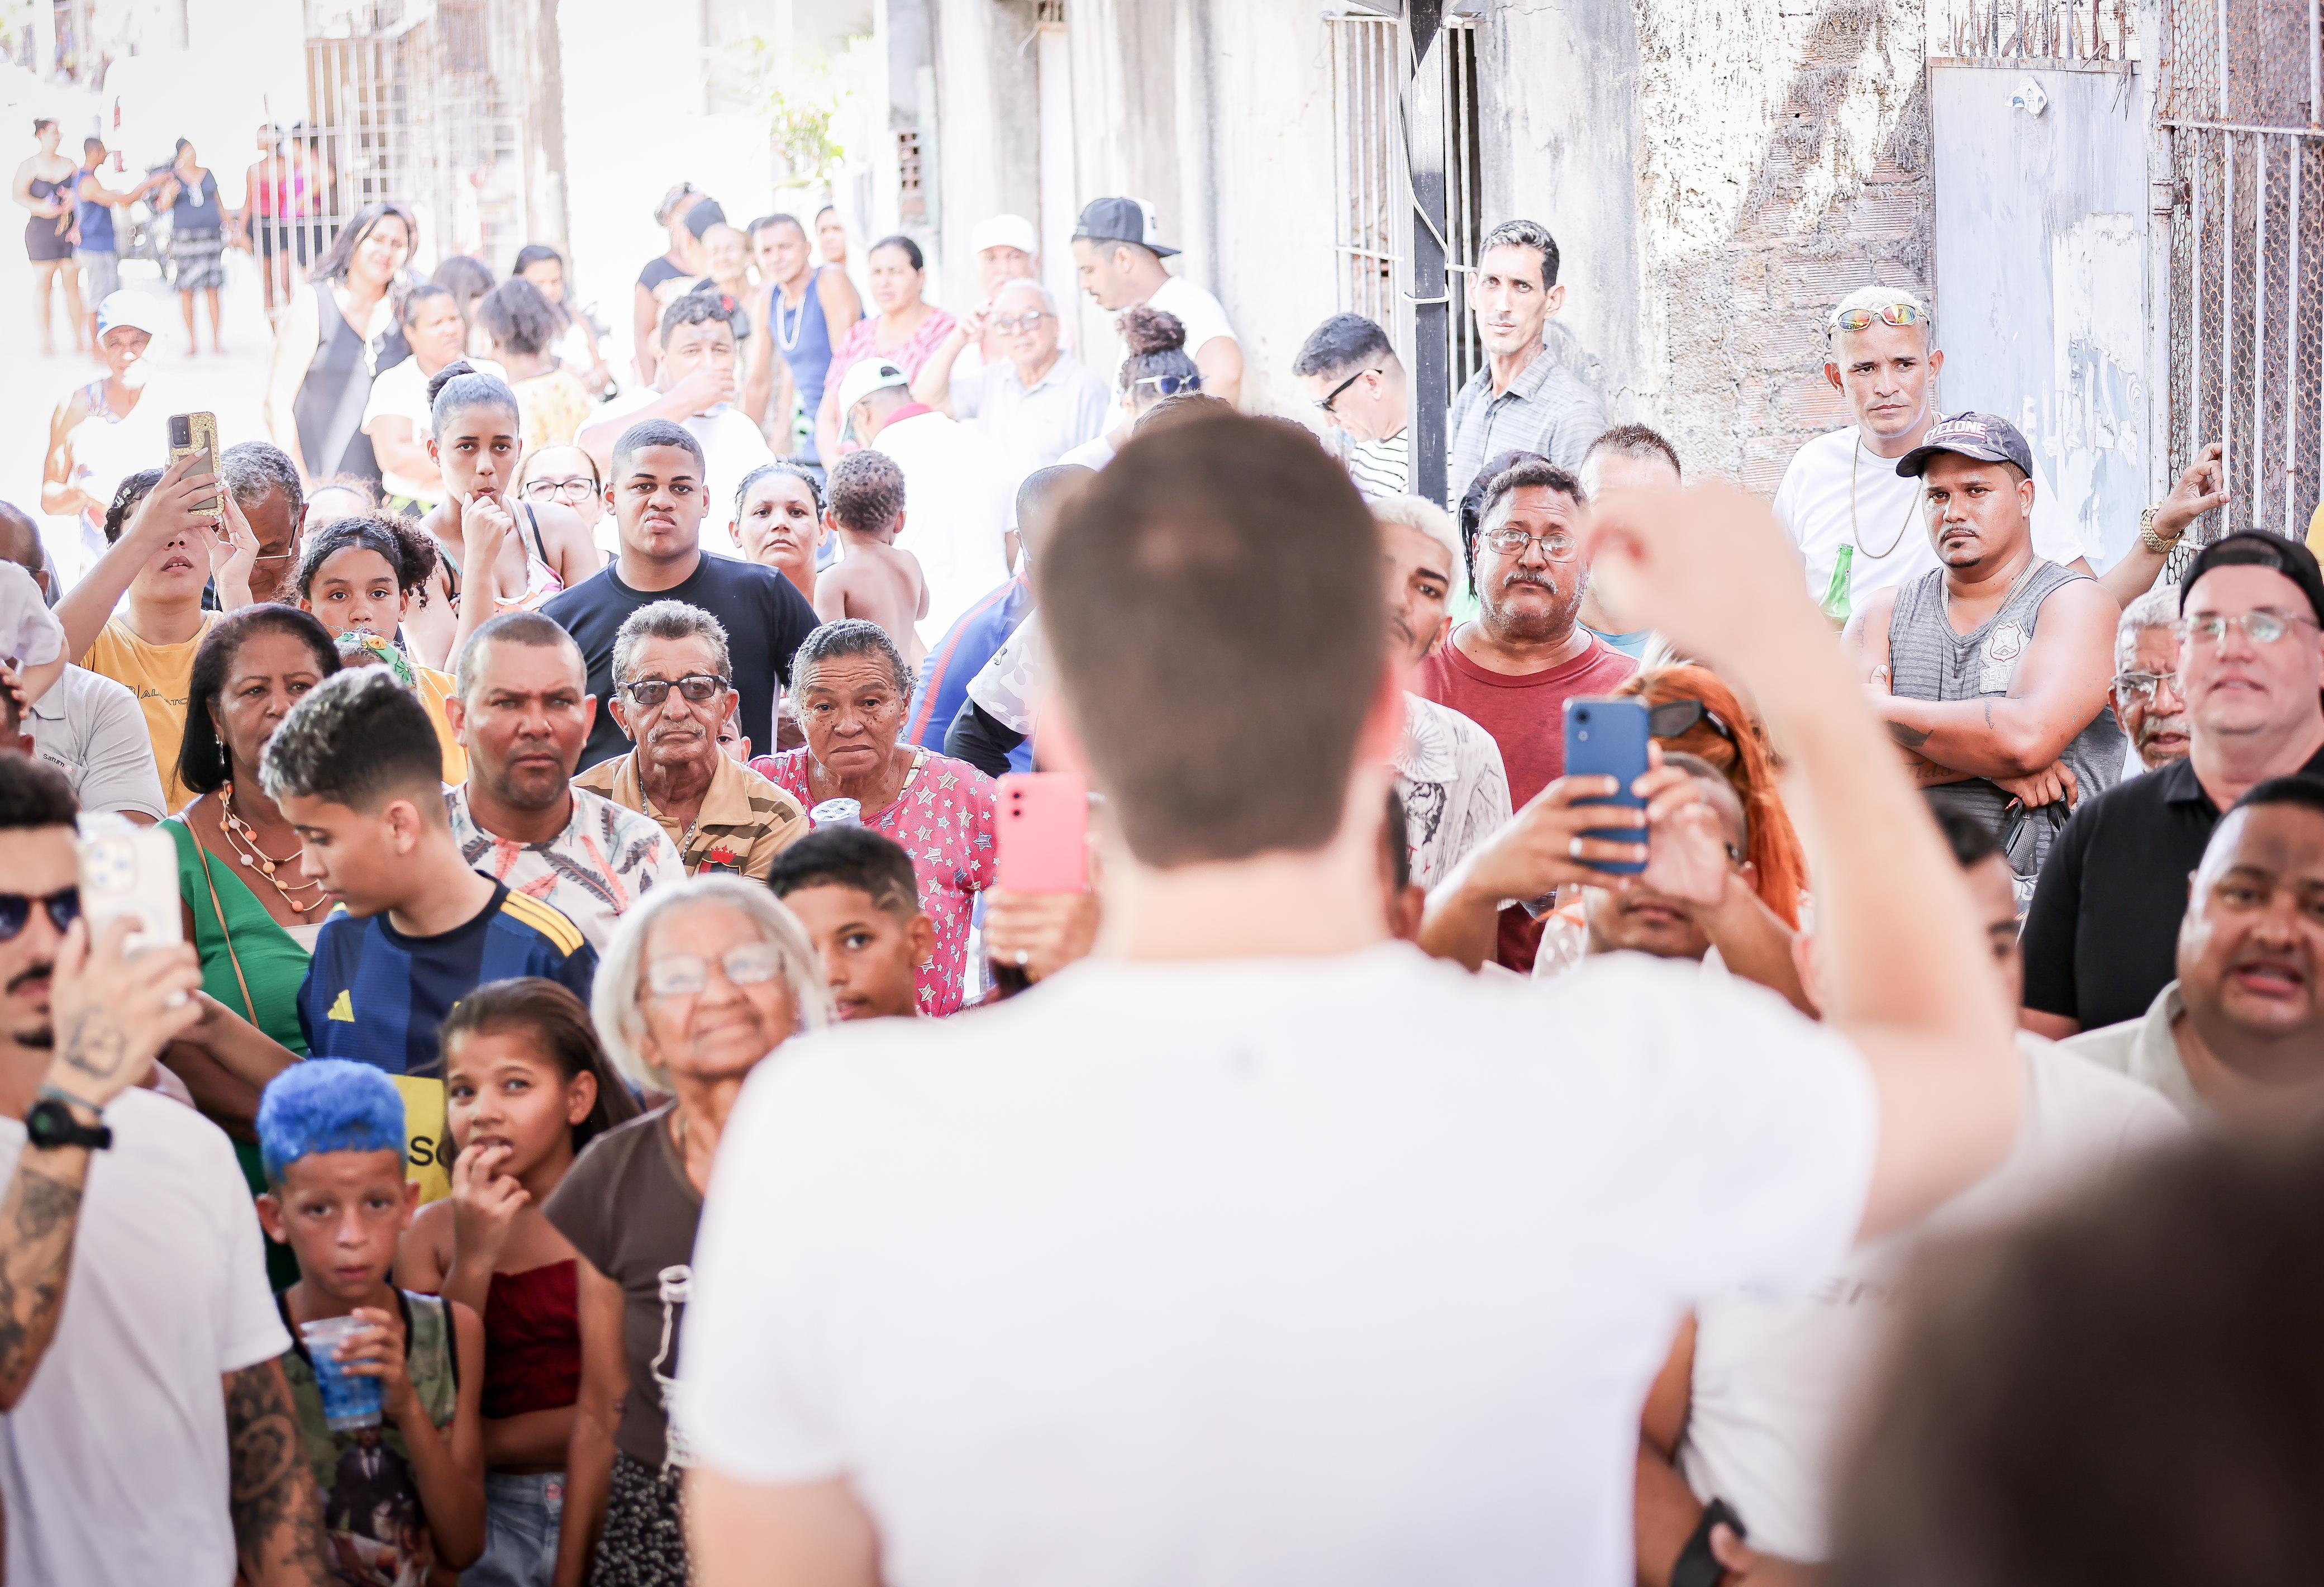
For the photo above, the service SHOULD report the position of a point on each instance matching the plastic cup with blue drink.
(349, 1401)
(836, 813)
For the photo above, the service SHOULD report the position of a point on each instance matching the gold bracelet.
(2151, 540)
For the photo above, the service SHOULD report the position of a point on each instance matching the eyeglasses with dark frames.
(699, 689)
(1341, 389)
(576, 490)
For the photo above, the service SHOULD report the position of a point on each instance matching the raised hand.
(115, 1011)
(706, 387)
(232, 547)
(2204, 486)
(175, 505)
(483, 524)
(1708, 565)
(484, 1203)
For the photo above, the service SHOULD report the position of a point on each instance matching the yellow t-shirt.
(435, 688)
(162, 676)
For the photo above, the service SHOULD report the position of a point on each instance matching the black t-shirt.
(2102, 934)
(765, 620)
(658, 270)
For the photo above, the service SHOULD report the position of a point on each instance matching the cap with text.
(1981, 436)
(1122, 220)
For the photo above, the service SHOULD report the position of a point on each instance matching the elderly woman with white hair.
(699, 984)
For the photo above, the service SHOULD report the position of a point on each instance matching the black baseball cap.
(703, 216)
(2256, 548)
(1981, 436)
(1120, 220)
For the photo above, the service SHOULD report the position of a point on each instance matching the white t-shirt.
(1456, 793)
(1093, 453)
(957, 501)
(1774, 1379)
(1812, 503)
(1204, 317)
(91, 728)
(401, 393)
(731, 446)
(1246, 1272)
(29, 634)
(113, 1464)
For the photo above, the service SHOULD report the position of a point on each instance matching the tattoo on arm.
(1989, 715)
(95, 1044)
(277, 1515)
(37, 1223)
(1911, 738)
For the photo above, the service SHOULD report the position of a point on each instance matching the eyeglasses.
(1556, 544)
(2262, 628)
(752, 963)
(1336, 391)
(698, 688)
(1021, 322)
(16, 908)
(1676, 718)
(1170, 385)
(1735, 856)
(550, 490)
(1892, 314)
(2141, 685)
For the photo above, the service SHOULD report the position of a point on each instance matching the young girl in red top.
(526, 1088)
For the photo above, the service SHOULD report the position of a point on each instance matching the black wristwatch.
(1697, 1566)
(49, 1124)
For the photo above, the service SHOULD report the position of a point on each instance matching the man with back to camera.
(1991, 669)
(1626, 458)
(1856, 523)
(1749, 1406)
(1348, 369)
(1512, 670)
(2099, 935)
(1526, 398)
(695, 385)
(2239, 1036)
(654, 491)
(149, 1434)
(1345, 1297)
(2144, 693)
(1119, 260)
(522, 711)
(958, 529)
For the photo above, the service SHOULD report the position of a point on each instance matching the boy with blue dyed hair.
(409, 1491)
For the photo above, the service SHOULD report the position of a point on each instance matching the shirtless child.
(872, 579)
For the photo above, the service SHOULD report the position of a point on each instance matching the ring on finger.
(1573, 847)
(1024, 958)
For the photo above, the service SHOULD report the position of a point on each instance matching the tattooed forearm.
(1911, 738)
(277, 1516)
(37, 1222)
(95, 1045)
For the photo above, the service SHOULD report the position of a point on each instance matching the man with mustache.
(1512, 670)
(1991, 669)
(522, 713)
(2240, 1032)
(2145, 690)
(673, 688)
(2100, 937)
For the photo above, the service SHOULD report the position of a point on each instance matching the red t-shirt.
(1526, 714)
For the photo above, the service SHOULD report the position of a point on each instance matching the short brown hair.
(1213, 600)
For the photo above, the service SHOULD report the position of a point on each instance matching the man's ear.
(619, 707)
(921, 939)
(1556, 296)
(455, 718)
(269, 1217)
(1831, 373)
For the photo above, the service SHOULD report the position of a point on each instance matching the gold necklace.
(243, 838)
(1855, 462)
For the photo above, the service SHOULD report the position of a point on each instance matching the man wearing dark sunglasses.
(1350, 371)
(673, 686)
(167, 1376)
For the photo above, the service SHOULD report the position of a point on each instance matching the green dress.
(272, 963)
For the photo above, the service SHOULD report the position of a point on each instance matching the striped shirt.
(1381, 468)
(745, 822)
(604, 861)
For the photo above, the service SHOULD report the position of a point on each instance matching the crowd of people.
(613, 1117)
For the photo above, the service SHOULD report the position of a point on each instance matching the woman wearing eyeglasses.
(699, 984)
(567, 476)
(1158, 367)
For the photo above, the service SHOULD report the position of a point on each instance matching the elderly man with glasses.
(673, 688)
(2145, 691)
(2101, 935)
(1037, 402)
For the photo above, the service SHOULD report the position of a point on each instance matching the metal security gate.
(2243, 150)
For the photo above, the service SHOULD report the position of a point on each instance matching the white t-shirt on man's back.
(1812, 503)
(113, 1465)
(1202, 315)
(1345, 1269)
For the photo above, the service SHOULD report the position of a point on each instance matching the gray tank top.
(1927, 661)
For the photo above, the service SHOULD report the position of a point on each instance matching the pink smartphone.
(1044, 832)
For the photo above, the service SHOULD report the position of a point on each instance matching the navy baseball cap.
(2258, 549)
(1981, 436)
(1120, 220)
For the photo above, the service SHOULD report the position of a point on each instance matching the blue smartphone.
(1607, 738)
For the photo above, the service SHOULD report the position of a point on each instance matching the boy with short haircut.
(872, 579)
(855, 893)
(406, 1495)
(357, 768)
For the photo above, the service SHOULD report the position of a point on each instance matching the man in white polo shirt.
(1116, 248)
(1861, 527)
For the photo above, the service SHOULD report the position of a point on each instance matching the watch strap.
(49, 1124)
(1696, 1565)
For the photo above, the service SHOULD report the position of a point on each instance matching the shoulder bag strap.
(249, 1007)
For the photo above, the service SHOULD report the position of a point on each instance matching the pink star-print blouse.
(944, 819)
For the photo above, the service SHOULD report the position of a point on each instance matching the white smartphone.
(130, 870)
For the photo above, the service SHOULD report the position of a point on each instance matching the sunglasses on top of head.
(1676, 718)
(1170, 385)
(1892, 314)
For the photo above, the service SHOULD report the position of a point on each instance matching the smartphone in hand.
(1609, 738)
(128, 870)
(196, 435)
(1043, 832)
